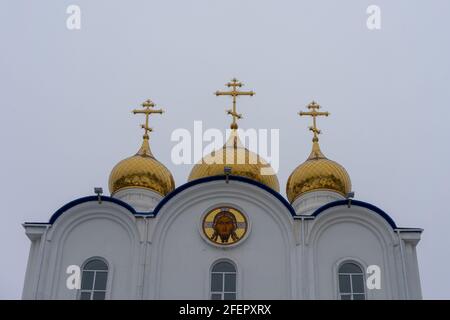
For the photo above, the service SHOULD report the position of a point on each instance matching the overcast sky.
(66, 97)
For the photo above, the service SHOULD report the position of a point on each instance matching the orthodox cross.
(234, 93)
(148, 106)
(314, 107)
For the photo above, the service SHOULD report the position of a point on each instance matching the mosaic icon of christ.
(224, 226)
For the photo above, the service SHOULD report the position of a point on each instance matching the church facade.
(227, 233)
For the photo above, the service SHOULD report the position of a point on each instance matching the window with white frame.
(351, 281)
(93, 280)
(223, 281)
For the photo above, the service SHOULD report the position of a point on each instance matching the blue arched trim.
(189, 184)
(223, 177)
(169, 196)
(76, 202)
(357, 203)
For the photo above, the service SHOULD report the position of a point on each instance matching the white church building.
(227, 233)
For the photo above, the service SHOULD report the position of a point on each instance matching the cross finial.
(148, 106)
(314, 107)
(234, 93)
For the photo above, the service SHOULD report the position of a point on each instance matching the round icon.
(224, 225)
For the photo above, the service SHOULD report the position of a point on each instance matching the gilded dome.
(141, 171)
(317, 173)
(241, 161)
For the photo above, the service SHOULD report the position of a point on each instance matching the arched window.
(351, 282)
(93, 280)
(223, 281)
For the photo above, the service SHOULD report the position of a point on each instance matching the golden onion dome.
(141, 171)
(241, 161)
(317, 172)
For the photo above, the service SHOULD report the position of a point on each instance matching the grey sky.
(66, 98)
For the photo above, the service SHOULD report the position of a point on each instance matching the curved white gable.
(88, 230)
(341, 233)
(181, 257)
